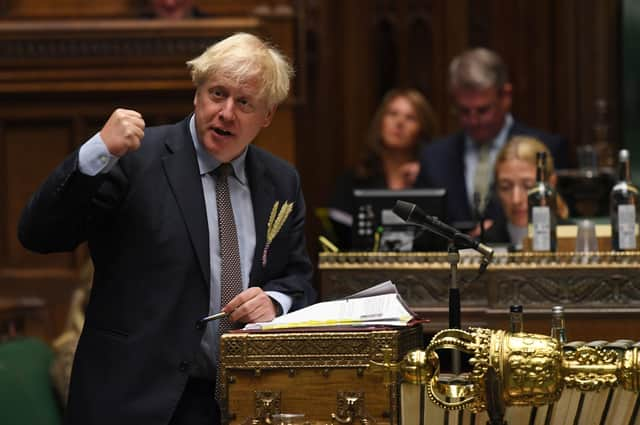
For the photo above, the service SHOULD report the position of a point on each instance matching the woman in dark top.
(403, 121)
(515, 174)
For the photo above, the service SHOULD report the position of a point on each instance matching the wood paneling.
(31, 152)
(356, 51)
(73, 9)
(562, 57)
(29, 9)
(24, 316)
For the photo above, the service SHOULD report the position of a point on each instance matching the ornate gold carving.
(538, 280)
(384, 363)
(595, 368)
(343, 355)
(530, 369)
(418, 366)
(314, 349)
(350, 408)
(630, 369)
(438, 260)
(267, 404)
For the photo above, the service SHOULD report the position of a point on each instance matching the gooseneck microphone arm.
(411, 213)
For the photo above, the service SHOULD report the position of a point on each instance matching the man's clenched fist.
(123, 131)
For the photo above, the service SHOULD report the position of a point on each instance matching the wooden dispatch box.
(314, 372)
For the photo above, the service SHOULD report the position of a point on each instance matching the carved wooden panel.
(130, 8)
(31, 153)
(66, 8)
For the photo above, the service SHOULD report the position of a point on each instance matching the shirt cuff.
(95, 158)
(285, 301)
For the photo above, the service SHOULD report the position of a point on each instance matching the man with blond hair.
(176, 218)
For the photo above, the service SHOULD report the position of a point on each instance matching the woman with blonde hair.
(515, 175)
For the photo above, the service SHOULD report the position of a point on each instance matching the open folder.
(380, 305)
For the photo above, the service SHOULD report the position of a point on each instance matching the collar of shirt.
(207, 163)
(471, 153)
(497, 143)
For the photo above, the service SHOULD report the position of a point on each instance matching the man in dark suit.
(463, 162)
(146, 201)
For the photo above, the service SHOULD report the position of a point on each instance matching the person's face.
(229, 116)
(482, 112)
(400, 125)
(172, 9)
(514, 178)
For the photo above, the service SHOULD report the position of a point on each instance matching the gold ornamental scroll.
(539, 380)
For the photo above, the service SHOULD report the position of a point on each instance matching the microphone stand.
(453, 257)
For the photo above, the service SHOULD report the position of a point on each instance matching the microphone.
(411, 213)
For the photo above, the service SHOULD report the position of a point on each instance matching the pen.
(204, 320)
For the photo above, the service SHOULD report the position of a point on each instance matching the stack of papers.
(380, 305)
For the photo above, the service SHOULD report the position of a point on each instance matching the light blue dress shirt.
(471, 153)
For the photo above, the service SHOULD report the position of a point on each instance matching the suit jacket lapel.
(263, 198)
(181, 168)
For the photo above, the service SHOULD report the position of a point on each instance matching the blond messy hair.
(245, 58)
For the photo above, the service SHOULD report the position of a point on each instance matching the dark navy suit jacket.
(442, 165)
(146, 226)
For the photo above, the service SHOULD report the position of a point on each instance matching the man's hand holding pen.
(250, 306)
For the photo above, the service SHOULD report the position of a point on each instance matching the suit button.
(184, 366)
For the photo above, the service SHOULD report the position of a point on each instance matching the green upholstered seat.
(26, 393)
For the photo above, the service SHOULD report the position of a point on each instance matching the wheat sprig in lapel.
(276, 220)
